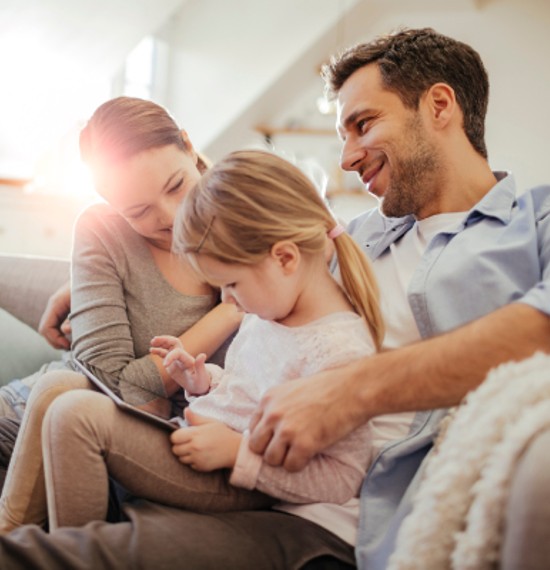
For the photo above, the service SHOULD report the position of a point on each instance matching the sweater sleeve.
(216, 373)
(102, 335)
(333, 476)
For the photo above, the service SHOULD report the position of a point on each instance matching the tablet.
(165, 423)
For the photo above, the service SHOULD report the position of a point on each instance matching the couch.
(25, 286)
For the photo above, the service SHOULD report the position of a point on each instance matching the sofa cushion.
(22, 350)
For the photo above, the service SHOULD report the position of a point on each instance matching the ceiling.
(56, 55)
(231, 65)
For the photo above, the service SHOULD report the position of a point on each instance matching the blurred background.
(234, 73)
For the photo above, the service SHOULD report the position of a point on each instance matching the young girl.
(255, 227)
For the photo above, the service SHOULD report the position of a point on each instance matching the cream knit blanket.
(458, 513)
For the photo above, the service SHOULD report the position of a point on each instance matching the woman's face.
(147, 189)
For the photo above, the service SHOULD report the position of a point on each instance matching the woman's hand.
(205, 445)
(54, 325)
(189, 372)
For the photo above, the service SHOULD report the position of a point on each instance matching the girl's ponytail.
(359, 283)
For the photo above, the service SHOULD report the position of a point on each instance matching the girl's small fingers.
(180, 437)
(162, 352)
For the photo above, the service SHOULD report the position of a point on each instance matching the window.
(138, 73)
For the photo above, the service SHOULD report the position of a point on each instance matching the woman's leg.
(23, 498)
(86, 438)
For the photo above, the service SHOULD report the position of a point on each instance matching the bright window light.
(139, 69)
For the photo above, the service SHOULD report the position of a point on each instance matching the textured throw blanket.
(457, 519)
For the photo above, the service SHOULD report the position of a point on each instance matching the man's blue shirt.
(499, 254)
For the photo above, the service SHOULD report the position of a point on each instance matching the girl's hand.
(205, 445)
(161, 345)
(190, 373)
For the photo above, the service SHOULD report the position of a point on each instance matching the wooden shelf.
(17, 182)
(269, 132)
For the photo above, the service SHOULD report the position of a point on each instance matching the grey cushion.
(22, 350)
(26, 284)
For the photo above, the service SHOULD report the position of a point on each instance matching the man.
(461, 262)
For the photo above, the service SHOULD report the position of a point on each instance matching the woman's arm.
(105, 255)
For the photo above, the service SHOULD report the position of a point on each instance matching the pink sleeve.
(216, 373)
(247, 467)
(333, 476)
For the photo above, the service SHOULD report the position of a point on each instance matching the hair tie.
(336, 231)
(205, 235)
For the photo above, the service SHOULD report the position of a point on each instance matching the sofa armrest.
(525, 540)
(26, 284)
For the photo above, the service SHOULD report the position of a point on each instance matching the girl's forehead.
(219, 273)
(214, 269)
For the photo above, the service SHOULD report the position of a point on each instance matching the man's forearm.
(438, 372)
(298, 419)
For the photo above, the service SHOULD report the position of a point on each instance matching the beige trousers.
(23, 497)
(85, 438)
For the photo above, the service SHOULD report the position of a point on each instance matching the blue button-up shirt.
(499, 254)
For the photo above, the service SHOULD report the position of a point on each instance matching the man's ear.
(287, 254)
(440, 100)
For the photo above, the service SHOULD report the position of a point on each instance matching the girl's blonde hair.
(253, 199)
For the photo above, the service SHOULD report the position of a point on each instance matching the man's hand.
(205, 445)
(189, 372)
(298, 419)
(54, 325)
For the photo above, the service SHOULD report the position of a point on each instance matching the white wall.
(37, 224)
(227, 54)
(241, 63)
(513, 40)
(233, 64)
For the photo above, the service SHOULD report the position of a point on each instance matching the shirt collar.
(498, 202)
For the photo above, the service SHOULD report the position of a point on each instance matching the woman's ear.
(203, 163)
(188, 144)
(287, 255)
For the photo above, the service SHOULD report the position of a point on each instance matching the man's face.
(388, 146)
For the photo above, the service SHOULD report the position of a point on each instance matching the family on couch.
(462, 264)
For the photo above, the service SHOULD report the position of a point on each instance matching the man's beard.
(413, 179)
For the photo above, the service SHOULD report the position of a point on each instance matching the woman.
(126, 285)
